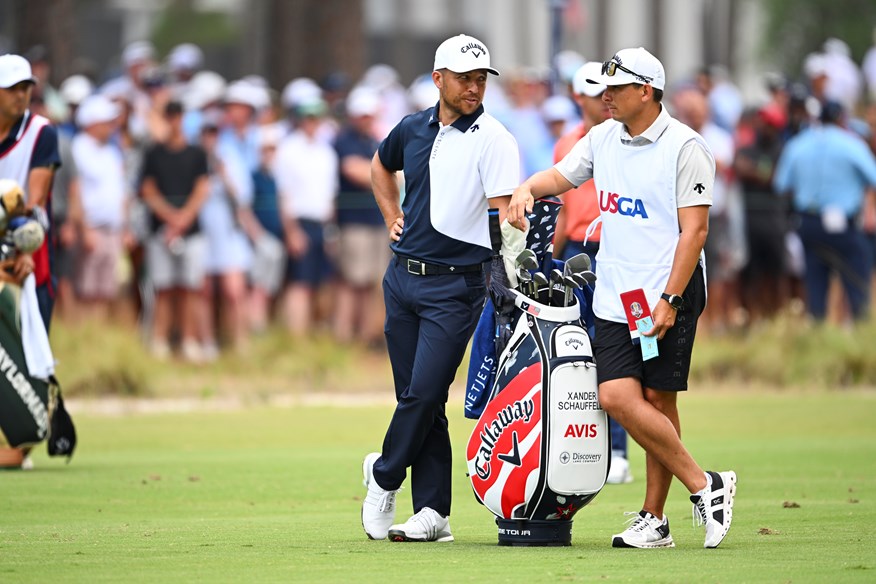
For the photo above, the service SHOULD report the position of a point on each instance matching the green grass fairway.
(273, 495)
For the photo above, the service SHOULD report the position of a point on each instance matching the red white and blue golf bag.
(540, 450)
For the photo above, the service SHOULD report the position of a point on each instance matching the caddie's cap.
(589, 70)
(13, 70)
(632, 66)
(462, 54)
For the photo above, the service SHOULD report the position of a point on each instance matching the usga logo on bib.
(614, 203)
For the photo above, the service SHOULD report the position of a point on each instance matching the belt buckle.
(416, 267)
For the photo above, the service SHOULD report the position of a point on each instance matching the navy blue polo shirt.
(450, 172)
(355, 205)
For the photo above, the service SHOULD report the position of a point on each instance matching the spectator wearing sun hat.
(98, 205)
(241, 104)
(29, 155)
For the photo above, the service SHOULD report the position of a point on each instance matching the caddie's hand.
(7, 272)
(23, 267)
(396, 228)
(663, 316)
(521, 204)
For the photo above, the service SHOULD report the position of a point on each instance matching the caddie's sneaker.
(713, 506)
(620, 471)
(425, 525)
(645, 531)
(378, 508)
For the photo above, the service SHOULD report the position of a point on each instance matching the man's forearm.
(39, 183)
(386, 191)
(546, 183)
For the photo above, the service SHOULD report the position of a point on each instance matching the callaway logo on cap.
(462, 54)
(13, 70)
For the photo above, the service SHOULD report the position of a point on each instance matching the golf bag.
(540, 450)
(31, 406)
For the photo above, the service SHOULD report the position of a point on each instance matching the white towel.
(37, 352)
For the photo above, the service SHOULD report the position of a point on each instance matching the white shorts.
(269, 264)
(177, 266)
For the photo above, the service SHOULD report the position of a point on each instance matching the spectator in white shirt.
(306, 171)
(98, 205)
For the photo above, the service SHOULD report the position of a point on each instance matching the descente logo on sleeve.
(476, 49)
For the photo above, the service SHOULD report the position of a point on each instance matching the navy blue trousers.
(429, 321)
(846, 253)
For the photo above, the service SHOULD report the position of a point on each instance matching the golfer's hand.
(396, 228)
(520, 205)
(663, 316)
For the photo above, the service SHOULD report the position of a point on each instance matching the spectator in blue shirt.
(831, 175)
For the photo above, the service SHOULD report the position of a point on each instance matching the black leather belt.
(421, 268)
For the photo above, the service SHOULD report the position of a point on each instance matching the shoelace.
(636, 523)
(699, 512)
(424, 518)
(386, 502)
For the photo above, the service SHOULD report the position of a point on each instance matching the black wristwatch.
(674, 300)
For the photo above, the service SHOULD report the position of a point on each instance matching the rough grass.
(266, 494)
(791, 352)
(110, 360)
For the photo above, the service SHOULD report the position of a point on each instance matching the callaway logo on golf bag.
(540, 449)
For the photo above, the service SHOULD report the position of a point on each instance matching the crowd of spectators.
(211, 208)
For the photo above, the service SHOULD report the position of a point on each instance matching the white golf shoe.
(620, 471)
(645, 531)
(425, 525)
(378, 508)
(713, 506)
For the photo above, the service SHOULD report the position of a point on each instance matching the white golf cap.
(13, 70)
(75, 88)
(632, 66)
(205, 87)
(185, 57)
(557, 108)
(363, 101)
(138, 52)
(300, 90)
(581, 86)
(462, 54)
(96, 109)
(246, 93)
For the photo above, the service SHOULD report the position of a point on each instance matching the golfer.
(457, 162)
(654, 178)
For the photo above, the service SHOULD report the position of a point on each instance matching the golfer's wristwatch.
(674, 300)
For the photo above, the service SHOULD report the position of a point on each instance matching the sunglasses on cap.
(611, 66)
